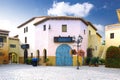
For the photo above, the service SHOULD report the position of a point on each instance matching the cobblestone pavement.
(28, 72)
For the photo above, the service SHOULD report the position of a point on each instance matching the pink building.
(52, 37)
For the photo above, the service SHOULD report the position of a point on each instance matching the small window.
(44, 27)
(64, 28)
(89, 32)
(1, 44)
(26, 29)
(12, 46)
(84, 32)
(111, 35)
(25, 39)
(3, 39)
(95, 47)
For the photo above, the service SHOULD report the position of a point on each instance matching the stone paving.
(28, 72)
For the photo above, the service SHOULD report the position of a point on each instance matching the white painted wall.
(39, 39)
(45, 39)
(30, 37)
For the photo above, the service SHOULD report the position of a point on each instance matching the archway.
(63, 57)
(13, 57)
(45, 55)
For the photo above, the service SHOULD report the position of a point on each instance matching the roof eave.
(26, 22)
(89, 23)
(59, 18)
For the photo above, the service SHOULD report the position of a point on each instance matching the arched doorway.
(63, 57)
(13, 57)
(45, 55)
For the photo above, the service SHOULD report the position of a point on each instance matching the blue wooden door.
(63, 57)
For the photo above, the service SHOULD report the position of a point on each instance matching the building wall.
(94, 41)
(114, 28)
(46, 39)
(30, 38)
(100, 47)
(40, 40)
(116, 40)
(4, 51)
(14, 50)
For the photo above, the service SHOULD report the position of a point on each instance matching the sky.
(99, 12)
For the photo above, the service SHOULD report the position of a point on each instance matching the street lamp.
(78, 41)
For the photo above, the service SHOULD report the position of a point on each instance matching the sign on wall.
(63, 39)
(25, 46)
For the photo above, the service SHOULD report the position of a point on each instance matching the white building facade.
(52, 37)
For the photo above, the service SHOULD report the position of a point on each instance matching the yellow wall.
(94, 41)
(4, 51)
(113, 28)
(93, 32)
(116, 40)
(52, 60)
(15, 50)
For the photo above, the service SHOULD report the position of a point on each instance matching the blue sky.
(99, 12)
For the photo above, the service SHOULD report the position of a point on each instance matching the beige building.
(94, 40)
(112, 34)
(4, 46)
(9, 48)
(14, 50)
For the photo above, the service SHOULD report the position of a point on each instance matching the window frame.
(64, 28)
(112, 35)
(25, 39)
(44, 27)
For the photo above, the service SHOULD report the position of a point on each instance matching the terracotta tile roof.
(29, 21)
(45, 18)
(60, 18)
(92, 26)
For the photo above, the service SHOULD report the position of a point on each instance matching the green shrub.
(113, 57)
(47, 59)
(94, 61)
(29, 61)
(87, 60)
(101, 61)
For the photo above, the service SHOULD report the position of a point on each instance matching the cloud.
(7, 25)
(101, 29)
(64, 8)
